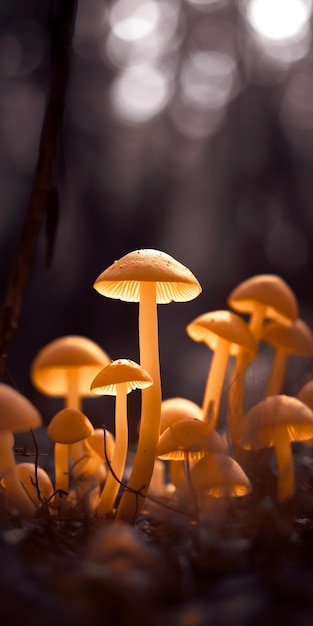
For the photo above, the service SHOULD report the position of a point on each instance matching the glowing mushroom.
(296, 340)
(36, 482)
(66, 366)
(118, 379)
(174, 410)
(17, 415)
(149, 277)
(262, 297)
(189, 439)
(226, 334)
(277, 421)
(219, 476)
(68, 426)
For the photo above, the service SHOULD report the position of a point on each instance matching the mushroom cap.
(296, 338)
(50, 368)
(306, 394)
(96, 442)
(121, 371)
(175, 409)
(218, 475)
(174, 281)
(69, 426)
(17, 413)
(189, 436)
(27, 475)
(261, 425)
(215, 325)
(268, 290)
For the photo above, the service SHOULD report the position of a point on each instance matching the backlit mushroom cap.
(276, 415)
(295, 339)
(267, 290)
(175, 409)
(210, 327)
(189, 438)
(96, 443)
(69, 426)
(51, 366)
(121, 371)
(174, 281)
(219, 475)
(306, 394)
(17, 413)
(28, 473)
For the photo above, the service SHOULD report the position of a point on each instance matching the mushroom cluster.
(191, 447)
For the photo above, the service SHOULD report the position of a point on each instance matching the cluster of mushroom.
(202, 462)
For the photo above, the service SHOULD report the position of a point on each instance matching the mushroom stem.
(256, 321)
(14, 489)
(214, 385)
(73, 401)
(285, 467)
(112, 486)
(61, 472)
(277, 374)
(236, 408)
(131, 503)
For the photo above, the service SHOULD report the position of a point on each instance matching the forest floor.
(250, 563)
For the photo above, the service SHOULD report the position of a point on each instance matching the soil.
(245, 562)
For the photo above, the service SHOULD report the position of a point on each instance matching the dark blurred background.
(188, 128)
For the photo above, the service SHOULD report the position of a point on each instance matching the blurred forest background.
(188, 128)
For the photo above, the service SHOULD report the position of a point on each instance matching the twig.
(20, 271)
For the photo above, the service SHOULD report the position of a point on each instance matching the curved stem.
(277, 374)
(236, 396)
(14, 489)
(112, 486)
(214, 384)
(285, 467)
(149, 431)
(256, 321)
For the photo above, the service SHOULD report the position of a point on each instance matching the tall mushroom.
(149, 277)
(17, 415)
(276, 422)
(296, 340)
(226, 334)
(118, 379)
(263, 297)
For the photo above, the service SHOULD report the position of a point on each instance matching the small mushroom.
(149, 277)
(219, 476)
(36, 482)
(118, 379)
(174, 410)
(17, 415)
(296, 340)
(277, 421)
(68, 426)
(226, 334)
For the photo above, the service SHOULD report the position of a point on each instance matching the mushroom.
(226, 334)
(296, 339)
(173, 410)
(219, 476)
(68, 426)
(65, 368)
(149, 277)
(263, 297)
(36, 482)
(277, 421)
(17, 414)
(118, 379)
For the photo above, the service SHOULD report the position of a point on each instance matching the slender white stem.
(215, 382)
(112, 485)
(14, 489)
(131, 503)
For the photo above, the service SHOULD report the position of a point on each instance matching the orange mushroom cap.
(267, 290)
(297, 338)
(118, 372)
(215, 325)
(189, 438)
(174, 281)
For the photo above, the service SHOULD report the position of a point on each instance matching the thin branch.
(22, 265)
